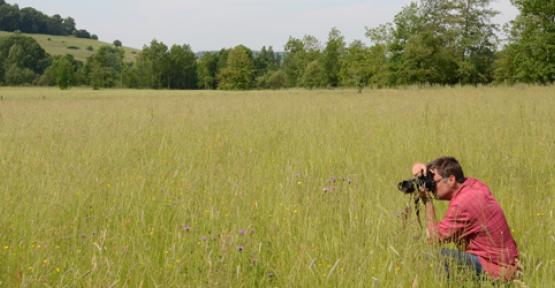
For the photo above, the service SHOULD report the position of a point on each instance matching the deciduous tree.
(105, 67)
(20, 53)
(182, 68)
(238, 74)
(332, 56)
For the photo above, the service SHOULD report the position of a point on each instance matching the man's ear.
(452, 179)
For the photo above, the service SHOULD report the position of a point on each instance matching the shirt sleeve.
(454, 224)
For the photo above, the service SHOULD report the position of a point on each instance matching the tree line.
(30, 20)
(429, 42)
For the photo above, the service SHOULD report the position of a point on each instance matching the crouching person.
(474, 221)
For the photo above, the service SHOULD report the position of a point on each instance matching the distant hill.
(30, 20)
(80, 48)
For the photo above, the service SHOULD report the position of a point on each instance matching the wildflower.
(240, 248)
(204, 238)
(299, 182)
(332, 180)
(6, 247)
(58, 269)
(242, 232)
(186, 228)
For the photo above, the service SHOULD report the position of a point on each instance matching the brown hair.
(447, 166)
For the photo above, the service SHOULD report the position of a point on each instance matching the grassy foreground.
(123, 188)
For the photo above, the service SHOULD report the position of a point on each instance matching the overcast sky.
(214, 24)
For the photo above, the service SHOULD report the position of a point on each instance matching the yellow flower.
(6, 247)
(58, 270)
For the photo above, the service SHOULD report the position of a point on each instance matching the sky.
(208, 25)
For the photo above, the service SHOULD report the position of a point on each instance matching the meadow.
(292, 188)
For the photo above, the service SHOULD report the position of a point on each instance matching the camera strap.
(417, 208)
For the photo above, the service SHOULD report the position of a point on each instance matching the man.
(474, 221)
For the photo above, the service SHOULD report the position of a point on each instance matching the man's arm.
(432, 232)
(450, 228)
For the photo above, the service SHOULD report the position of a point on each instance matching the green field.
(294, 188)
(78, 47)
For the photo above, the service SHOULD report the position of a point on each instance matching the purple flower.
(240, 248)
(203, 238)
(186, 228)
(242, 232)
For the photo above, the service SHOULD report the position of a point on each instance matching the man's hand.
(419, 169)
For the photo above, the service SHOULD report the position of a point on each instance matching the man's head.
(448, 175)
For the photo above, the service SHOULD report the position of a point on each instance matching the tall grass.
(122, 188)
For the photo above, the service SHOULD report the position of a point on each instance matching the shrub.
(19, 76)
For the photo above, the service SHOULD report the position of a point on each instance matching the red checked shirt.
(475, 220)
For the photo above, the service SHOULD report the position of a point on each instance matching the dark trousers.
(460, 259)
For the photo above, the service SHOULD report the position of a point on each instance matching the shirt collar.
(466, 182)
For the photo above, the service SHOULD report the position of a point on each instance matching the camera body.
(424, 181)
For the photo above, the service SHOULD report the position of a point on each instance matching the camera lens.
(406, 186)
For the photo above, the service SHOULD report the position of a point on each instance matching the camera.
(411, 185)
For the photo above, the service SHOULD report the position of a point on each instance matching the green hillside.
(80, 48)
